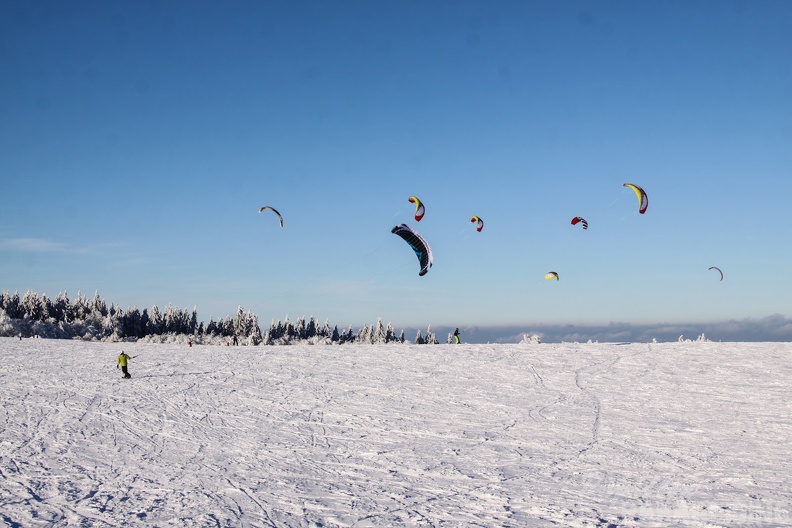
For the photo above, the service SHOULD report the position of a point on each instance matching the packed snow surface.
(607, 435)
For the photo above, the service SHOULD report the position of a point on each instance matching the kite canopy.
(551, 275)
(643, 200)
(274, 211)
(718, 270)
(580, 220)
(419, 207)
(479, 223)
(418, 244)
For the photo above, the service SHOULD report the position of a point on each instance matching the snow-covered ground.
(608, 435)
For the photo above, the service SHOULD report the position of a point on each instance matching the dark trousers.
(125, 371)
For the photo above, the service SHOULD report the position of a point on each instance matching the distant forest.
(32, 315)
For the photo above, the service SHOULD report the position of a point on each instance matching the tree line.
(86, 318)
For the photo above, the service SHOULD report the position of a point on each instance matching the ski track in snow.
(573, 435)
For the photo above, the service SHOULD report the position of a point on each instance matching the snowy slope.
(611, 435)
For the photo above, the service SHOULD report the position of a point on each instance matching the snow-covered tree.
(272, 333)
(531, 339)
(61, 307)
(170, 320)
(144, 323)
(299, 328)
(113, 324)
(431, 339)
(390, 334)
(98, 305)
(289, 332)
(311, 329)
(46, 308)
(31, 306)
(365, 335)
(228, 326)
(155, 323)
(80, 308)
(131, 323)
(252, 329)
(240, 323)
(193, 329)
(8, 326)
(378, 335)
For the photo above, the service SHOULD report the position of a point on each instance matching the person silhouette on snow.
(123, 359)
(456, 337)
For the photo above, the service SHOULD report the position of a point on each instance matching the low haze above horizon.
(138, 141)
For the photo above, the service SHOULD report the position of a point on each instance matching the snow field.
(578, 435)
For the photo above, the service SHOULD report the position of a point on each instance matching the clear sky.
(139, 139)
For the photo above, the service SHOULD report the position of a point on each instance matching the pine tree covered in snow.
(156, 323)
(390, 334)
(365, 335)
(431, 339)
(311, 329)
(378, 336)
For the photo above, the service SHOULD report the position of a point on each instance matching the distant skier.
(456, 337)
(123, 358)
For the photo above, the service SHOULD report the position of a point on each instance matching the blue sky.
(139, 139)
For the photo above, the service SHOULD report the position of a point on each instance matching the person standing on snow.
(456, 337)
(123, 358)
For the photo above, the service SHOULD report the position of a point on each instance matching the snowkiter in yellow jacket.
(123, 358)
